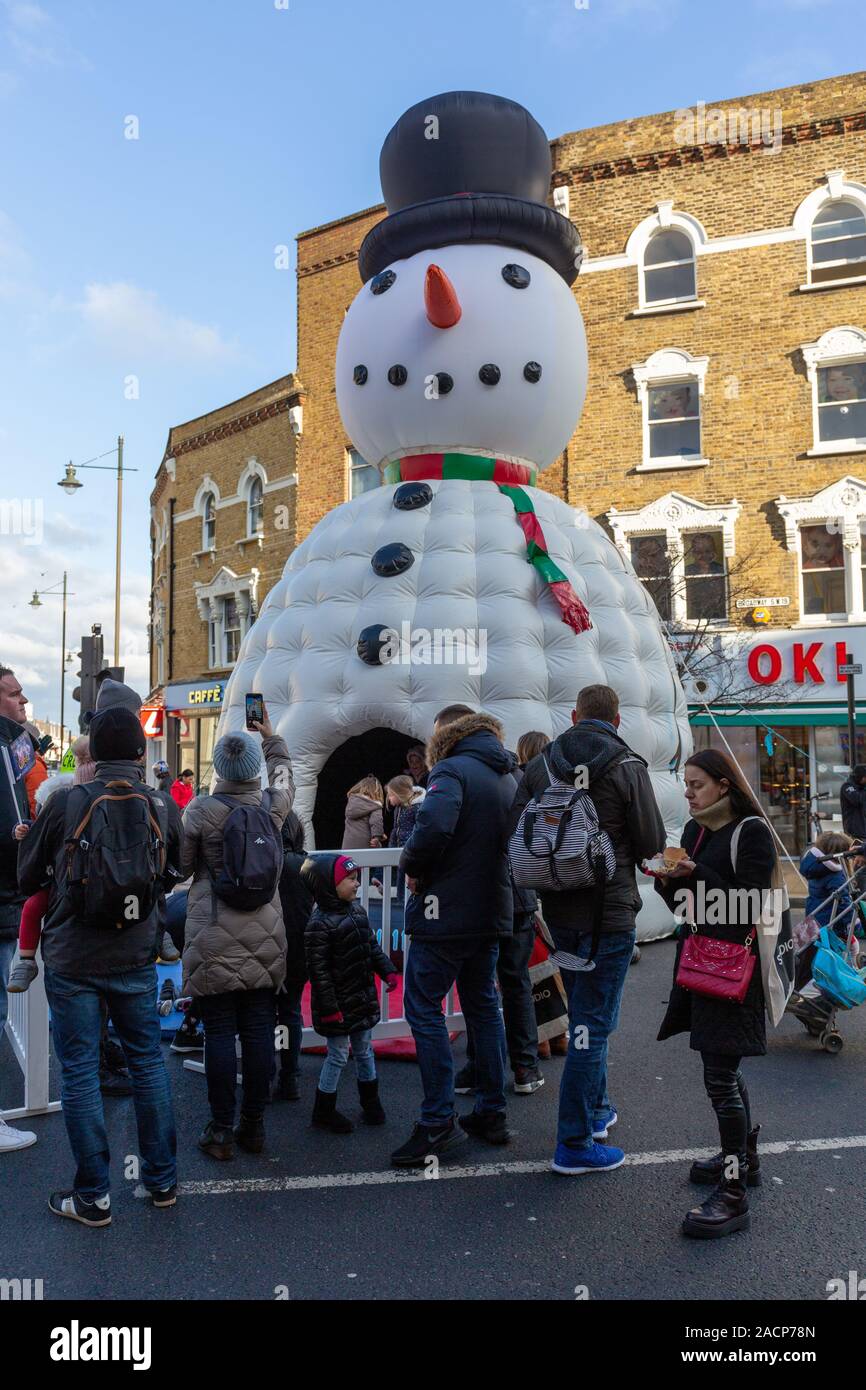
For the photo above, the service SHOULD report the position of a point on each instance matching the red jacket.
(182, 793)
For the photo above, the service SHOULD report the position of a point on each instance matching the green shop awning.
(783, 716)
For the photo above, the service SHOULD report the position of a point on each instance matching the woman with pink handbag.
(727, 892)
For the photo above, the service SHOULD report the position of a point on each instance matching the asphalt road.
(504, 1226)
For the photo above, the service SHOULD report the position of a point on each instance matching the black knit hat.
(116, 733)
(463, 167)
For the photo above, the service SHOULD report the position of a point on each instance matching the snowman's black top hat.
(463, 167)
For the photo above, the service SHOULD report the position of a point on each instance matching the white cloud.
(36, 39)
(129, 318)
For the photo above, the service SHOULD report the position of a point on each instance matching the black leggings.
(730, 1100)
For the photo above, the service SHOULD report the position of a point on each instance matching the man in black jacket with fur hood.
(594, 962)
(456, 868)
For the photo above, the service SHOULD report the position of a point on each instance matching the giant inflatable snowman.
(461, 372)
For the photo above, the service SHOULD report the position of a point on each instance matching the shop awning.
(782, 715)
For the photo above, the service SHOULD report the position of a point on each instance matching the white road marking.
(217, 1187)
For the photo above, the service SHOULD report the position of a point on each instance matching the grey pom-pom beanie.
(237, 757)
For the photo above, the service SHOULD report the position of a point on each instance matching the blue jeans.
(76, 1023)
(429, 974)
(251, 1015)
(7, 952)
(593, 1007)
(338, 1056)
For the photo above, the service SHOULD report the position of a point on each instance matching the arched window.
(255, 508)
(208, 527)
(669, 268)
(838, 242)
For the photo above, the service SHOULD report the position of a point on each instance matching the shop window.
(822, 562)
(363, 477)
(669, 268)
(256, 508)
(674, 420)
(838, 242)
(653, 568)
(208, 527)
(705, 577)
(842, 403)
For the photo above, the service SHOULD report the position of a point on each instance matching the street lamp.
(36, 602)
(71, 484)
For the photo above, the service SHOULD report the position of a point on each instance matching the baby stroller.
(827, 961)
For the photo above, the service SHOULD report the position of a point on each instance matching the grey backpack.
(558, 844)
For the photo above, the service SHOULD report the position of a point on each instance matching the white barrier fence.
(391, 938)
(27, 1031)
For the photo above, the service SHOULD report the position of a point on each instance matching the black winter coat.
(853, 799)
(621, 790)
(343, 955)
(296, 900)
(11, 896)
(718, 1025)
(458, 849)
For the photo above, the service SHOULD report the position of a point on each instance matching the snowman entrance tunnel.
(461, 371)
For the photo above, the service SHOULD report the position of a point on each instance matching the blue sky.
(138, 286)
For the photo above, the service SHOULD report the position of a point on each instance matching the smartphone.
(255, 705)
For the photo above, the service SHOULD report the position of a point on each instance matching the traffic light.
(92, 663)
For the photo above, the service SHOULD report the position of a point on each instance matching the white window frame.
(253, 531)
(691, 260)
(206, 522)
(842, 507)
(836, 348)
(351, 467)
(669, 367)
(210, 599)
(835, 189)
(676, 517)
(664, 219)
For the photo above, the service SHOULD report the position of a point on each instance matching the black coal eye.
(516, 275)
(410, 496)
(444, 383)
(489, 374)
(532, 371)
(397, 375)
(360, 374)
(383, 281)
(392, 559)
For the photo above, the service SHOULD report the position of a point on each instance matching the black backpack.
(115, 836)
(252, 855)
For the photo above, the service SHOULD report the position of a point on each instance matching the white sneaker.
(11, 1139)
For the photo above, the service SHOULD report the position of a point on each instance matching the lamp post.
(71, 484)
(36, 602)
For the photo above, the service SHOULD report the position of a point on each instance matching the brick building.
(724, 295)
(223, 521)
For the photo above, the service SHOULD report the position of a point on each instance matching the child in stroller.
(830, 869)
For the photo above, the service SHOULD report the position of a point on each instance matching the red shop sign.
(765, 664)
(151, 720)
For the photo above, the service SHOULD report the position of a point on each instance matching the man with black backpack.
(593, 926)
(106, 850)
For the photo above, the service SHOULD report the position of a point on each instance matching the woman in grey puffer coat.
(234, 961)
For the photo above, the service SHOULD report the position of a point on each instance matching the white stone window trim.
(209, 600)
(835, 189)
(799, 230)
(667, 366)
(843, 505)
(677, 516)
(663, 219)
(835, 348)
(680, 306)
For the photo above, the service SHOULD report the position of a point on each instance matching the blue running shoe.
(598, 1158)
(605, 1124)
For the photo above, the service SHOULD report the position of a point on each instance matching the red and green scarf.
(508, 477)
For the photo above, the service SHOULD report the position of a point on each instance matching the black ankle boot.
(286, 1086)
(250, 1134)
(370, 1103)
(217, 1141)
(726, 1210)
(708, 1171)
(327, 1116)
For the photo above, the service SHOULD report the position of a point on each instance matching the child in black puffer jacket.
(343, 959)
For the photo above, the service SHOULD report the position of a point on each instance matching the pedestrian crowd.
(108, 874)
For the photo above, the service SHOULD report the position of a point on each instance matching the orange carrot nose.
(440, 299)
